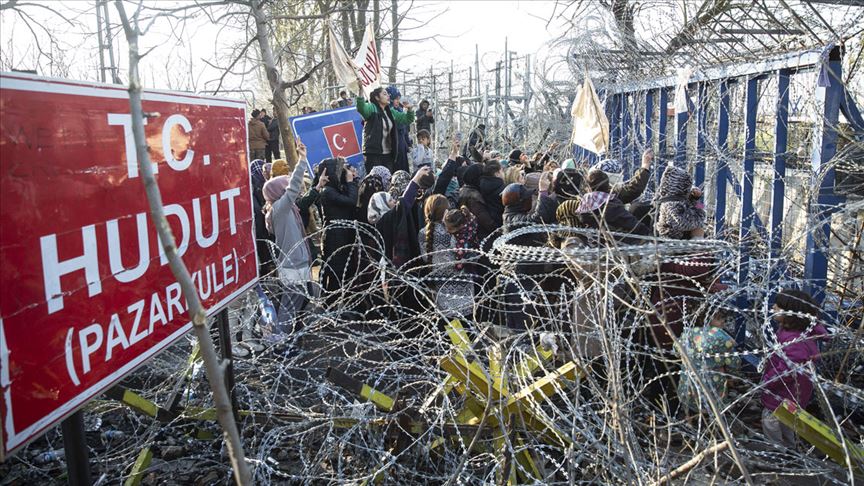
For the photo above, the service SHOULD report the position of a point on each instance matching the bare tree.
(394, 53)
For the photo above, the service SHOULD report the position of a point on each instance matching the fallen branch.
(683, 468)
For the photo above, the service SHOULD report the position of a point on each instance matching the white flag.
(681, 104)
(590, 125)
(365, 67)
(343, 65)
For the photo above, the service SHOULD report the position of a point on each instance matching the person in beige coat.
(258, 136)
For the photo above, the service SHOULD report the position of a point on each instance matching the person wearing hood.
(491, 184)
(294, 260)
(399, 226)
(263, 238)
(471, 197)
(380, 135)
(611, 181)
(403, 138)
(681, 285)
(520, 210)
(603, 208)
(785, 377)
(338, 201)
(680, 215)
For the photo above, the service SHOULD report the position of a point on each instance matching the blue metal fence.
(832, 99)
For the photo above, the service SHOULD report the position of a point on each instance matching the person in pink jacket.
(786, 376)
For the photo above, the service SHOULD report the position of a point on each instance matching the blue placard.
(331, 133)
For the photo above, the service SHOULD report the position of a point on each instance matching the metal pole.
(701, 129)
(750, 110)
(781, 132)
(115, 76)
(722, 167)
(101, 40)
(681, 120)
(223, 327)
(75, 448)
(824, 148)
(662, 129)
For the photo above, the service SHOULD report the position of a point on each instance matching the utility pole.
(103, 31)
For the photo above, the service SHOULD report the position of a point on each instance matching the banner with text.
(362, 74)
(86, 293)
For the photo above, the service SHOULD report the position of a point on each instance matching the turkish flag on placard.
(342, 139)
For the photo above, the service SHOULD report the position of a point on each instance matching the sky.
(486, 24)
(457, 26)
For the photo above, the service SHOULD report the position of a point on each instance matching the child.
(703, 344)
(785, 376)
(421, 154)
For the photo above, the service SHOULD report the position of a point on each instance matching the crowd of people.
(443, 215)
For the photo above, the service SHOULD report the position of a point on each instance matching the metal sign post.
(75, 448)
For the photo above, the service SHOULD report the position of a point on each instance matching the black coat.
(273, 129)
(515, 218)
(338, 205)
(490, 187)
(399, 230)
(614, 216)
(470, 197)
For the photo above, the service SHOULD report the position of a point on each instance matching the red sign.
(342, 139)
(86, 294)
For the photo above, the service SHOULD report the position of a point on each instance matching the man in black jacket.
(272, 150)
(491, 184)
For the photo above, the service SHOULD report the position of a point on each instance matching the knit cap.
(279, 168)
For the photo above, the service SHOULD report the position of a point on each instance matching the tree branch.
(197, 312)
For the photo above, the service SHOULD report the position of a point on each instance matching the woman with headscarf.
(685, 279)
(399, 226)
(471, 197)
(263, 238)
(339, 202)
(380, 137)
(294, 261)
(379, 205)
(368, 186)
(445, 248)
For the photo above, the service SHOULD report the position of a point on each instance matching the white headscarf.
(379, 204)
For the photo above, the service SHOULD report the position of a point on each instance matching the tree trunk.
(352, 18)
(394, 54)
(197, 313)
(280, 104)
(376, 16)
(346, 28)
(360, 28)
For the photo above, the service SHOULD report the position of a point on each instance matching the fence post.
(626, 135)
(751, 108)
(681, 120)
(824, 147)
(722, 166)
(662, 128)
(75, 450)
(778, 188)
(701, 127)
